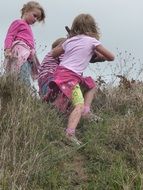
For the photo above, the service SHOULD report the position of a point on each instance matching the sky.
(120, 23)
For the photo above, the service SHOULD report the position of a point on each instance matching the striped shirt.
(49, 65)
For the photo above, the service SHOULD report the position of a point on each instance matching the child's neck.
(22, 18)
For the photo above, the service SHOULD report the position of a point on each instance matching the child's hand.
(100, 57)
(97, 57)
(7, 53)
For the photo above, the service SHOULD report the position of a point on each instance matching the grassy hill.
(34, 154)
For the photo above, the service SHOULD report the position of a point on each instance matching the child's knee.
(79, 107)
(93, 90)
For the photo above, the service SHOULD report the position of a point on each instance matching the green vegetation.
(34, 154)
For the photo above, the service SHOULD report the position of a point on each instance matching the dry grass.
(34, 155)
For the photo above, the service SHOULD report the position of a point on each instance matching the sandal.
(73, 139)
(93, 117)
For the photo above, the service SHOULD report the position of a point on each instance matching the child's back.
(78, 52)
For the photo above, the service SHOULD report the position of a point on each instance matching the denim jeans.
(25, 73)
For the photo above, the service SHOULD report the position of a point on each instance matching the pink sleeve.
(95, 43)
(11, 34)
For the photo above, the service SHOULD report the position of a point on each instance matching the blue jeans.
(25, 73)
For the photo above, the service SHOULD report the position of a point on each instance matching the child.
(78, 50)
(19, 47)
(90, 90)
(46, 71)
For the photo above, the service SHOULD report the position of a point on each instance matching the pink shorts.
(20, 53)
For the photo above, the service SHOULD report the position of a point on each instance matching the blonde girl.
(83, 42)
(19, 46)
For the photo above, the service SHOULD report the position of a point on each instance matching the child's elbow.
(111, 58)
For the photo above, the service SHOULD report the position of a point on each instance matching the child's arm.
(10, 37)
(57, 51)
(11, 34)
(105, 53)
(34, 66)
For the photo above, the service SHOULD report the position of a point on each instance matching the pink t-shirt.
(19, 30)
(78, 52)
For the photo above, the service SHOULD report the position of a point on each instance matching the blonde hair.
(85, 24)
(32, 5)
(58, 42)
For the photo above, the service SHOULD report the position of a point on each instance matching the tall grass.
(34, 154)
(30, 135)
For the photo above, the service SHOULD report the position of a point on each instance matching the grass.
(34, 154)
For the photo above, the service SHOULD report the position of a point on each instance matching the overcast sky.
(120, 22)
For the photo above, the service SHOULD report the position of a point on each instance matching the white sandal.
(73, 139)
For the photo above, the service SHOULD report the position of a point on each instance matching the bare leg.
(87, 113)
(88, 97)
(75, 116)
(73, 121)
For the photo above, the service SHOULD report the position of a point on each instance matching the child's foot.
(93, 117)
(73, 139)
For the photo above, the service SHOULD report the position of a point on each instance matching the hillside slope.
(34, 154)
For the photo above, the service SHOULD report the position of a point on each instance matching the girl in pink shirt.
(19, 42)
(83, 42)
